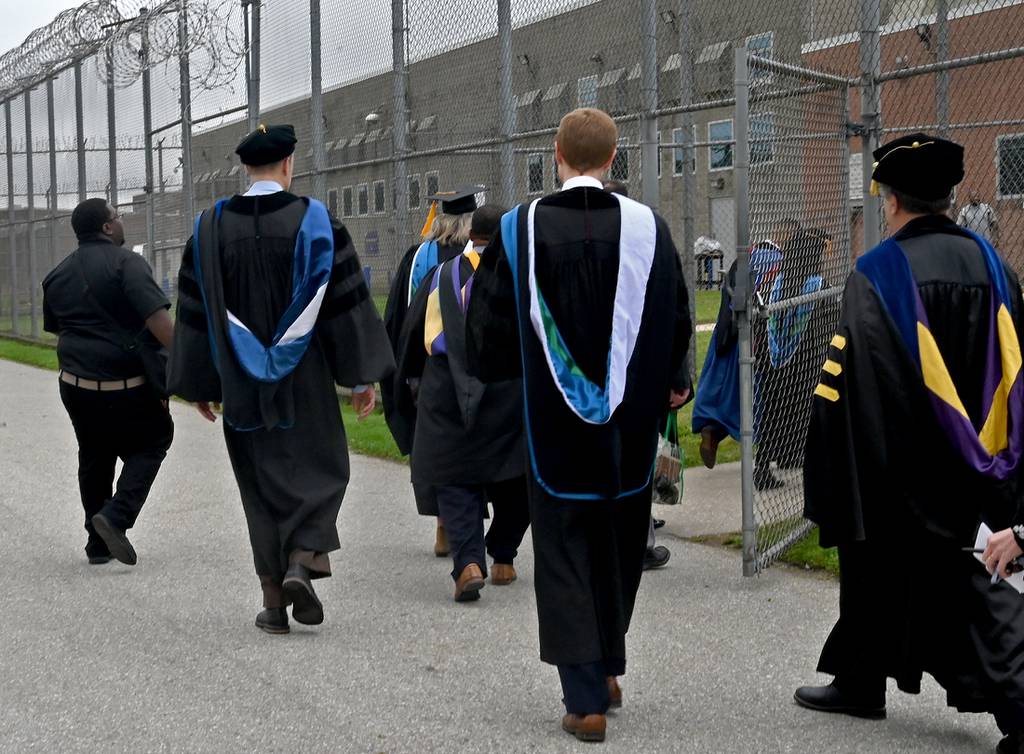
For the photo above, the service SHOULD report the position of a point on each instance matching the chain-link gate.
(793, 230)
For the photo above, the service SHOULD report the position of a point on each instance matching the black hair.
(486, 220)
(616, 187)
(90, 216)
(802, 257)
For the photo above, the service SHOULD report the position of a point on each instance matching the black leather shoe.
(1012, 744)
(658, 523)
(656, 557)
(273, 620)
(116, 540)
(831, 699)
(306, 606)
(99, 559)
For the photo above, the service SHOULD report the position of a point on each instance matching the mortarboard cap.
(461, 201)
(922, 166)
(267, 145)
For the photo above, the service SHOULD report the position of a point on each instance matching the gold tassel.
(431, 216)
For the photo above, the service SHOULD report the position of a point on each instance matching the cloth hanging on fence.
(786, 327)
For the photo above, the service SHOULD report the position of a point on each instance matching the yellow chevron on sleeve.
(826, 392)
(833, 367)
(838, 341)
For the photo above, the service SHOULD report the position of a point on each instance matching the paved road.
(164, 657)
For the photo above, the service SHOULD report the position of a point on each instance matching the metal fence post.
(111, 129)
(649, 152)
(147, 137)
(80, 132)
(253, 62)
(187, 189)
(30, 216)
(941, 56)
(870, 107)
(51, 134)
(686, 34)
(316, 103)
(741, 307)
(506, 105)
(12, 233)
(401, 127)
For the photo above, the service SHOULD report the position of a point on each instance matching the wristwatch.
(1018, 534)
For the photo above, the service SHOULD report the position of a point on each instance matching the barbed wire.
(132, 36)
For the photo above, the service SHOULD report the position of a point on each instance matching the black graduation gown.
(292, 471)
(403, 423)
(467, 432)
(884, 484)
(588, 553)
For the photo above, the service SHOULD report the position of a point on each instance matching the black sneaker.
(116, 540)
(656, 557)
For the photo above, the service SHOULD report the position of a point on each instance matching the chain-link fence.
(392, 101)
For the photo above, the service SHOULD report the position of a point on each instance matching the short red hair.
(587, 138)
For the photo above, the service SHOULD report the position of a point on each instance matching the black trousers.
(132, 425)
(585, 687)
(462, 508)
(511, 519)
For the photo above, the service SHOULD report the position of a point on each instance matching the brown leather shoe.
(709, 440)
(441, 548)
(469, 584)
(503, 574)
(614, 692)
(586, 728)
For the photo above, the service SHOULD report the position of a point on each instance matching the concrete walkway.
(164, 657)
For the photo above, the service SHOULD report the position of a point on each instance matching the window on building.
(762, 138)
(761, 46)
(346, 201)
(332, 202)
(720, 154)
(586, 91)
(659, 154)
(414, 192)
(363, 197)
(679, 154)
(620, 165)
(433, 183)
(1010, 151)
(379, 197)
(535, 174)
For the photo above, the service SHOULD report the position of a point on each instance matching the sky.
(21, 19)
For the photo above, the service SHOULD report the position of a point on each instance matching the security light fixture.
(523, 60)
(669, 17)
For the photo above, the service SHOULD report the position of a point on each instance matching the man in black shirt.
(105, 307)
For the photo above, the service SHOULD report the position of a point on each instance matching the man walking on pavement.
(111, 319)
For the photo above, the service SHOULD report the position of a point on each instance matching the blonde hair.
(451, 230)
(587, 138)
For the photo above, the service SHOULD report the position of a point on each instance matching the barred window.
(1011, 165)
(379, 197)
(679, 154)
(720, 154)
(433, 183)
(414, 192)
(364, 199)
(586, 91)
(762, 138)
(332, 201)
(535, 174)
(346, 201)
(620, 165)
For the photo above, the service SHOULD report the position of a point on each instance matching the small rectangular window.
(364, 199)
(620, 165)
(761, 45)
(1010, 158)
(433, 183)
(414, 192)
(586, 91)
(346, 202)
(379, 197)
(762, 138)
(721, 139)
(535, 174)
(332, 202)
